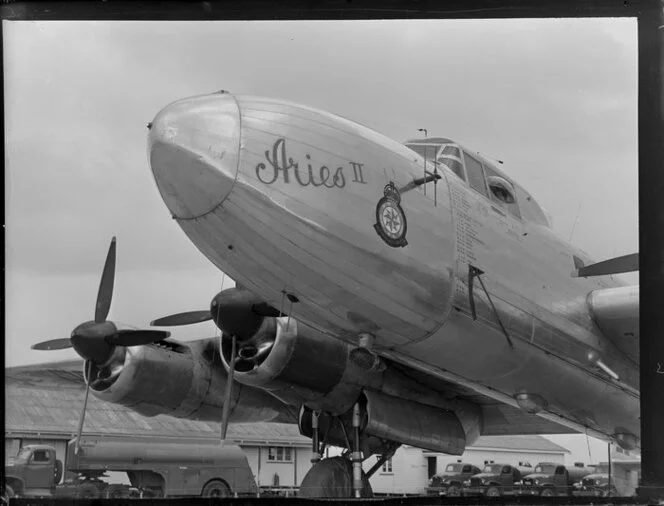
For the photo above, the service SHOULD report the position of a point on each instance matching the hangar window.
(387, 466)
(279, 454)
(475, 174)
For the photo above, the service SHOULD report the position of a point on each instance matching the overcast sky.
(556, 100)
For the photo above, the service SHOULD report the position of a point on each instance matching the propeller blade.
(81, 420)
(105, 293)
(131, 337)
(188, 318)
(53, 344)
(226, 409)
(618, 265)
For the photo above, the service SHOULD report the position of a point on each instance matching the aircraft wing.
(499, 418)
(616, 312)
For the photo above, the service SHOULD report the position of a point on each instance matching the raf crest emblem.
(391, 223)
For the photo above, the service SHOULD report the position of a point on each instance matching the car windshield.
(545, 469)
(494, 469)
(23, 454)
(453, 468)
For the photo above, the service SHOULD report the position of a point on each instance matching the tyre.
(116, 492)
(492, 492)
(605, 493)
(88, 491)
(57, 472)
(454, 491)
(547, 492)
(7, 494)
(216, 488)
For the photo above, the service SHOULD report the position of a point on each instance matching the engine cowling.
(184, 381)
(302, 366)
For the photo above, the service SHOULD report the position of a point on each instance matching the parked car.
(450, 482)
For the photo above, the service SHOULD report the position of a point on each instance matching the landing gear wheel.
(332, 477)
(492, 492)
(216, 488)
(454, 491)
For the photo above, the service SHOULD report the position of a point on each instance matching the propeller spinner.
(95, 340)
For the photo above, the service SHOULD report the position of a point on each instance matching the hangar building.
(47, 411)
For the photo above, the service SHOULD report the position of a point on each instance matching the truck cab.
(596, 484)
(34, 471)
(551, 479)
(495, 480)
(450, 482)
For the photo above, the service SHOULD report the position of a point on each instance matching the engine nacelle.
(399, 420)
(299, 365)
(303, 366)
(184, 381)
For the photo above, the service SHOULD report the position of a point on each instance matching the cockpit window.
(502, 191)
(427, 151)
(530, 209)
(475, 174)
(451, 151)
(450, 156)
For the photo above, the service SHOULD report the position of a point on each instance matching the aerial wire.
(578, 213)
(426, 149)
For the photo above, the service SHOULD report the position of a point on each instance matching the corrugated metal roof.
(30, 410)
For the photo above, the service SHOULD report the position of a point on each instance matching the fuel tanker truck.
(154, 468)
(551, 480)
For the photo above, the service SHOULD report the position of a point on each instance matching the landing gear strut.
(340, 476)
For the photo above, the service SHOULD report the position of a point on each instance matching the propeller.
(98, 340)
(617, 265)
(95, 340)
(240, 316)
(236, 311)
(226, 409)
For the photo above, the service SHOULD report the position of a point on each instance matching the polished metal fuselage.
(287, 199)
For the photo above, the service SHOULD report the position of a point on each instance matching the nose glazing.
(194, 147)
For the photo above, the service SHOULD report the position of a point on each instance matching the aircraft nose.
(194, 147)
